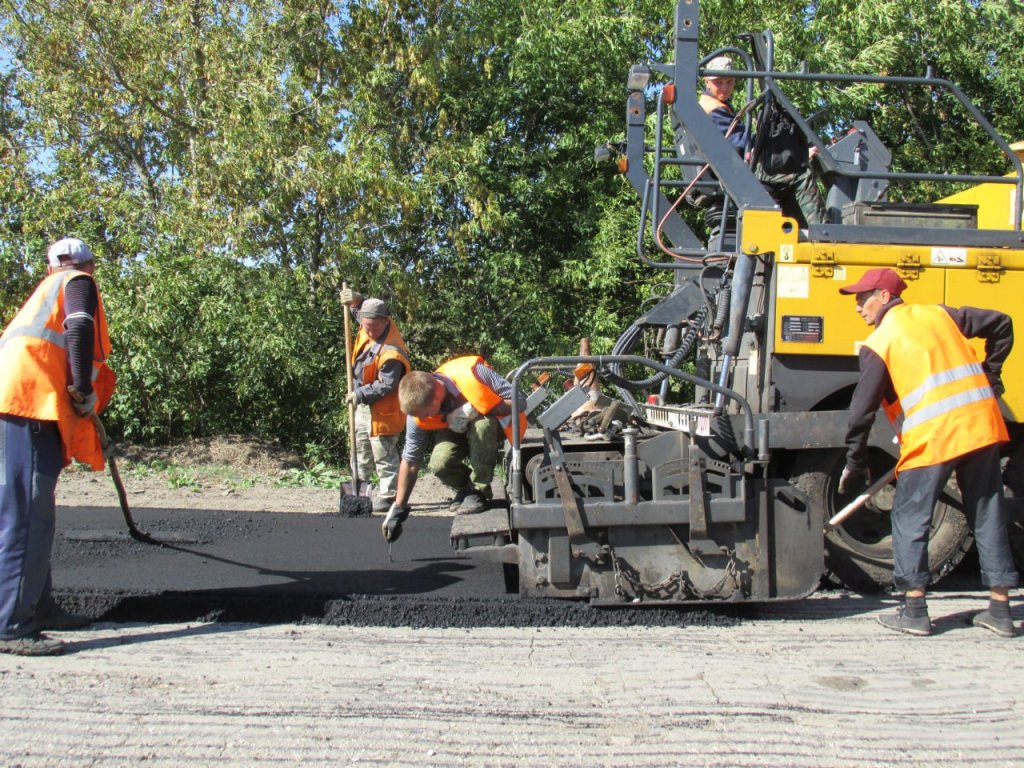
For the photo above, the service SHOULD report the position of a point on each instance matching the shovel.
(351, 503)
(122, 496)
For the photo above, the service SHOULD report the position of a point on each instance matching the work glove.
(458, 418)
(996, 382)
(85, 405)
(392, 525)
(352, 398)
(853, 480)
(349, 297)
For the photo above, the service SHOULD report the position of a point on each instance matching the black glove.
(996, 382)
(853, 480)
(392, 525)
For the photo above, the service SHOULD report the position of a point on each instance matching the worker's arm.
(996, 328)
(388, 377)
(408, 471)
(80, 305)
(874, 386)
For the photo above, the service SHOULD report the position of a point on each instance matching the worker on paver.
(918, 365)
(53, 379)
(461, 406)
(788, 177)
(379, 361)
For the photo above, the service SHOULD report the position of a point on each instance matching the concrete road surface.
(816, 683)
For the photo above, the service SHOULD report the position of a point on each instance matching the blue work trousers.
(30, 462)
(981, 486)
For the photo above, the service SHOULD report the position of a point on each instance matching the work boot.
(59, 620)
(1001, 625)
(910, 625)
(36, 644)
(456, 503)
(472, 502)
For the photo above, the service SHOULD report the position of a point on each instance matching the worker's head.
(69, 253)
(875, 289)
(719, 86)
(374, 317)
(420, 395)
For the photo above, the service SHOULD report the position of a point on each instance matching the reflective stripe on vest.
(34, 365)
(945, 407)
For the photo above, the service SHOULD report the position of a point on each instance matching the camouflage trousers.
(459, 460)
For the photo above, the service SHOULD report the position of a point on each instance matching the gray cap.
(70, 250)
(373, 308)
(719, 62)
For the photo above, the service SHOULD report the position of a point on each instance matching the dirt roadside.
(232, 472)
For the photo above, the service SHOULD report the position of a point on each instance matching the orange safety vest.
(35, 378)
(945, 406)
(386, 418)
(461, 371)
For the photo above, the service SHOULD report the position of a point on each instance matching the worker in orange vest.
(53, 379)
(942, 402)
(379, 361)
(464, 407)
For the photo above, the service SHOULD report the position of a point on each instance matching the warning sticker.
(949, 257)
(794, 281)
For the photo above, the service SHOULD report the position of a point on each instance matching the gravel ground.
(816, 683)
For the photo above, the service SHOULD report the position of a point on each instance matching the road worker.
(463, 407)
(379, 361)
(53, 379)
(918, 365)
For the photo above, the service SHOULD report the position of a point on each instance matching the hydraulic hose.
(626, 342)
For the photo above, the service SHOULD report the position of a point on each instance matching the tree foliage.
(233, 162)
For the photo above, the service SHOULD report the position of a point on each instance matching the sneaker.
(35, 644)
(1001, 626)
(59, 620)
(382, 504)
(899, 621)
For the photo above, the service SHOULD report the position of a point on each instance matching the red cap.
(882, 279)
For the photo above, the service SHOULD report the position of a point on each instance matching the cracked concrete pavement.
(814, 683)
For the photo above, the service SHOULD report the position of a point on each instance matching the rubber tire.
(858, 554)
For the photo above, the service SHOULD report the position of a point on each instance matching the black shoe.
(60, 620)
(472, 503)
(36, 644)
(899, 621)
(1002, 626)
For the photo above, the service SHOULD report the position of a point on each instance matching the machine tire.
(858, 554)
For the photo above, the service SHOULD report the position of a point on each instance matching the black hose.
(626, 342)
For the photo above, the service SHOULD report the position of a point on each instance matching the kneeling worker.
(464, 403)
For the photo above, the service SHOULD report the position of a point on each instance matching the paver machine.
(699, 460)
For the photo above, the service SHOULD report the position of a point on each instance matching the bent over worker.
(58, 340)
(918, 365)
(379, 361)
(463, 406)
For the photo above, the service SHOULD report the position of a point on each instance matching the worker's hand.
(392, 525)
(350, 298)
(996, 382)
(85, 405)
(352, 399)
(458, 418)
(853, 480)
